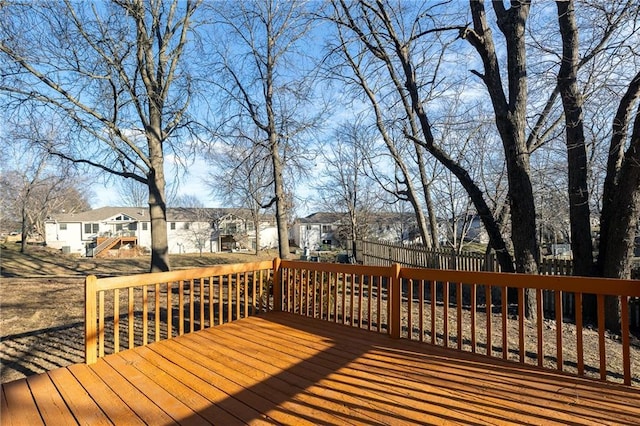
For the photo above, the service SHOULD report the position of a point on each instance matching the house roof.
(377, 217)
(102, 213)
(174, 214)
(323, 217)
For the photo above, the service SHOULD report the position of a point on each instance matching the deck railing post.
(395, 296)
(90, 313)
(277, 285)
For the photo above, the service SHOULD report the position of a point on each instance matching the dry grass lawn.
(42, 302)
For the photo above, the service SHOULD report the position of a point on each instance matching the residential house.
(324, 230)
(318, 231)
(189, 230)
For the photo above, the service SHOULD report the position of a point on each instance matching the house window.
(91, 228)
(326, 228)
(144, 226)
(186, 225)
(172, 225)
(63, 226)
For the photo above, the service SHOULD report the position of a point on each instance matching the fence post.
(90, 313)
(277, 285)
(395, 295)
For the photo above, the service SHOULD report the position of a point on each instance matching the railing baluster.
(601, 338)
(211, 293)
(434, 304)
(409, 283)
(238, 287)
(539, 326)
(445, 315)
(101, 324)
(379, 318)
(220, 299)
(308, 298)
(157, 313)
(130, 318)
(488, 310)
(169, 310)
(202, 304)
(521, 317)
(315, 294)
(116, 320)
(559, 319)
(473, 318)
(180, 307)
(579, 337)
(344, 297)
(421, 309)
(352, 300)
(229, 298)
(261, 285)
(459, 314)
(191, 306)
(505, 339)
(145, 313)
(624, 330)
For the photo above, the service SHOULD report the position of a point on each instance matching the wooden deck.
(281, 368)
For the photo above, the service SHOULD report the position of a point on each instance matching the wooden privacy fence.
(383, 254)
(424, 305)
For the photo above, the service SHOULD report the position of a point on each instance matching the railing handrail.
(572, 284)
(587, 285)
(112, 283)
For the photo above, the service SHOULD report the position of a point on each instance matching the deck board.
(284, 369)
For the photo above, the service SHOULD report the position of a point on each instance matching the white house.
(189, 230)
(326, 230)
(318, 230)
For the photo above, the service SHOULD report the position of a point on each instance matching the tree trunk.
(510, 115)
(433, 220)
(428, 239)
(158, 215)
(281, 211)
(572, 100)
(621, 202)
(256, 226)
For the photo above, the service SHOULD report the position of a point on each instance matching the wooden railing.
(450, 309)
(150, 307)
(467, 311)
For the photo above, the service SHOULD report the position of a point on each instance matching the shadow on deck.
(286, 369)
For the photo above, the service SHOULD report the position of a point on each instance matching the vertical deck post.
(90, 313)
(395, 296)
(277, 285)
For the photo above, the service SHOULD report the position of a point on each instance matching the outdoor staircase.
(110, 243)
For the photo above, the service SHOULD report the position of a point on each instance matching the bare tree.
(264, 86)
(244, 179)
(114, 75)
(41, 186)
(132, 193)
(345, 185)
(392, 39)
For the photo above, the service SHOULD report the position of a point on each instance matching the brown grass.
(42, 302)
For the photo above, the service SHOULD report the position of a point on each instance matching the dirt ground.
(42, 303)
